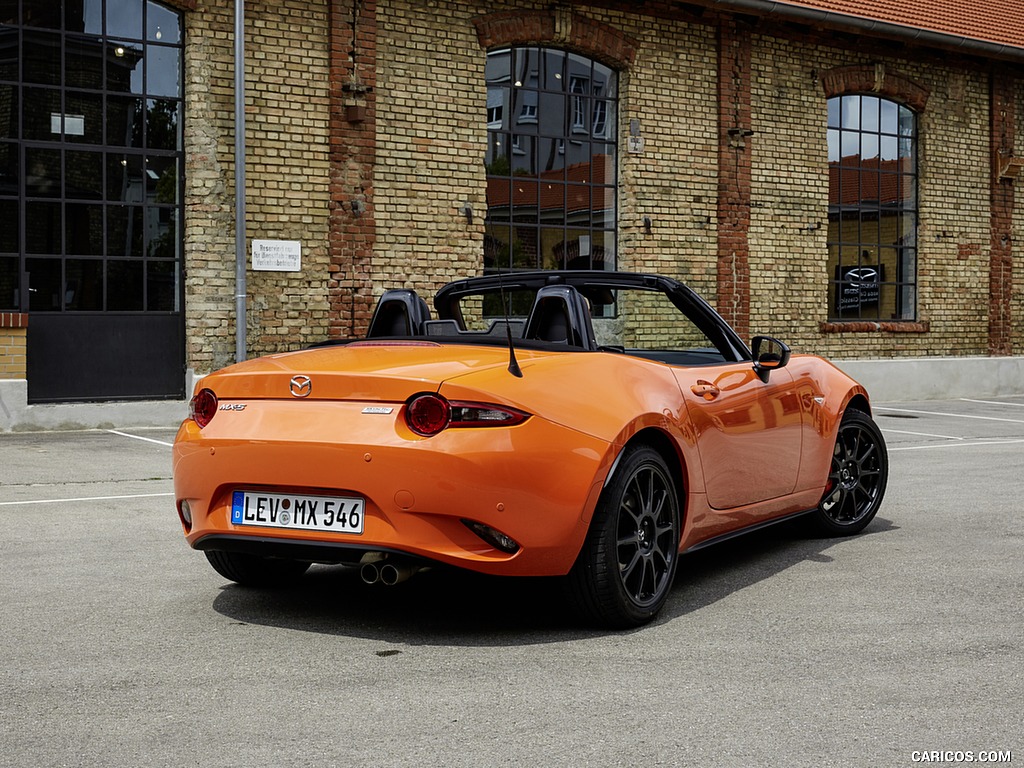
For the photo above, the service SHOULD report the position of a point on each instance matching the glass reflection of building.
(91, 155)
(551, 162)
(872, 236)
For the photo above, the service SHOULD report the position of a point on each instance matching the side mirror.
(769, 354)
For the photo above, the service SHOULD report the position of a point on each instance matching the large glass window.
(551, 163)
(91, 156)
(872, 209)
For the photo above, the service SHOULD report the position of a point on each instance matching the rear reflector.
(492, 536)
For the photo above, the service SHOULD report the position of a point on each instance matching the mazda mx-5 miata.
(589, 425)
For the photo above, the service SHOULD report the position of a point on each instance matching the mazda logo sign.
(300, 385)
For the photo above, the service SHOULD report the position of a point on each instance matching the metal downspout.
(241, 322)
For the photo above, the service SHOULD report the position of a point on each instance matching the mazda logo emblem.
(301, 385)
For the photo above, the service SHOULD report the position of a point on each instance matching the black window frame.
(552, 182)
(111, 156)
(873, 210)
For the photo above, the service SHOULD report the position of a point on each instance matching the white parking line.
(950, 415)
(951, 445)
(991, 402)
(922, 434)
(84, 498)
(139, 437)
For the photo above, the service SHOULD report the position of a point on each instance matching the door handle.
(705, 389)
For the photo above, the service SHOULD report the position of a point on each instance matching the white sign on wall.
(277, 255)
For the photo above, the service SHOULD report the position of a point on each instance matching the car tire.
(856, 480)
(624, 572)
(254, 570)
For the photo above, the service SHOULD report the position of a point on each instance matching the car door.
(748, 431)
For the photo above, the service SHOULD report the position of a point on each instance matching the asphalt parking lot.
(901, 646)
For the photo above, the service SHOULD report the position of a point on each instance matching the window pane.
(163, 75)
(524, 248)
(8, 58)
(162, 180)
(12, 227)
(125, 230)
(162, 25)
(833, 114)
(84, 16)
(83, 226)
(10, 175)
(40, 13)
(44, 172)
(161, 286)
(8, 11)
(8, 122)
(124, 286)
(44, 284)
(124, 18)
(524, 155)
(162, 230)
(41, 54)
(83, 175)
(83, 63)
(83, 122)
(43, 228)
(554, 70)
(124, 68)
(162, 124)
(83, 285)
(41, 115)
(10, 280)
(889, 116)
(497, 248)
(124, 178)
(124, 121)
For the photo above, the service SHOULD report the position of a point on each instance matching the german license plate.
(331, 514)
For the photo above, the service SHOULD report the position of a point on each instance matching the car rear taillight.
(429, 413)
(203, 407)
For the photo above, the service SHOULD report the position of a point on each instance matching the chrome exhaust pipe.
(369, 573)
(395, 572)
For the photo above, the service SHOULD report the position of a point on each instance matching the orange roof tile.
(991, 21)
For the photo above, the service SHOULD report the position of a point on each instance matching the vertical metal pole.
(240, 245)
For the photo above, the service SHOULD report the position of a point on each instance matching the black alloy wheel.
(624, 572)
(856, 479)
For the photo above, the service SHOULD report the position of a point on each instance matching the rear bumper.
(537, 483)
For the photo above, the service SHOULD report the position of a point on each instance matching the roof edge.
(842, 21)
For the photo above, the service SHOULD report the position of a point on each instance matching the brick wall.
(377, 195)
(790, 193)
(288, 172)
(13, 354)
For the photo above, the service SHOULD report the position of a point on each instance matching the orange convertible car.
(591, 425)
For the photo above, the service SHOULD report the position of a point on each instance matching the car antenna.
(513, 364)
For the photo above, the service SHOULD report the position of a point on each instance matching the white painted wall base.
(16, 415)
(937, 378)
(907, 380)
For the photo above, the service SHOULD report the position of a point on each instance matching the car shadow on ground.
(446, 606)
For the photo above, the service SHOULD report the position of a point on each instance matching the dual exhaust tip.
(378, 570)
